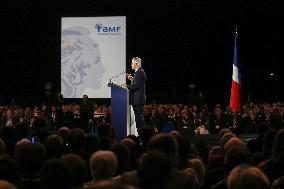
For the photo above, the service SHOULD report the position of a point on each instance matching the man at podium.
(137, 96)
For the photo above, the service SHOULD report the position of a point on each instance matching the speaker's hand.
(129, 76)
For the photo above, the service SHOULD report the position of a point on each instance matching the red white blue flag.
(235, 102)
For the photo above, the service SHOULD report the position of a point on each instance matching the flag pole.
(235, 103)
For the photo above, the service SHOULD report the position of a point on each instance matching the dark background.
(180, 42)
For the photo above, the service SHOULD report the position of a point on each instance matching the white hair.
(137, 60)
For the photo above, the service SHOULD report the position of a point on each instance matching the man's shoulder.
(141, 71)
(130, 177)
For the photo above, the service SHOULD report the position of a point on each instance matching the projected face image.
(81, 66)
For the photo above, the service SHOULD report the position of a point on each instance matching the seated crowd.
(48, 147)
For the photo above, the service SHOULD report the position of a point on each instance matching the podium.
(122, 115)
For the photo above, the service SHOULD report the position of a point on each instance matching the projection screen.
(93, 50)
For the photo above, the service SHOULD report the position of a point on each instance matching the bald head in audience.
(6, 185)
(103, 165)
(245, 176)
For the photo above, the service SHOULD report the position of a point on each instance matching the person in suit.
(86, 113)
(54, 119)
(137, 96)
(66, 117)
(8, 118)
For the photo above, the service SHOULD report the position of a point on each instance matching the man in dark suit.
(54, 119)
(66, 116)
(86, 113)
(8, 118)
(137, 97)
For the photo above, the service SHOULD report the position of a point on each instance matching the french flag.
(235, 102)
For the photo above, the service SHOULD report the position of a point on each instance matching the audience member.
(6, 185)
(245, 176)
(78, 170)
(103, 165)
(9, 170)
(54, 173)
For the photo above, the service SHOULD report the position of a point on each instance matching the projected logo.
(107, 30)
(81, 67)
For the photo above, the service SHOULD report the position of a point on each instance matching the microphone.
(113, 78)
(119, 74)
